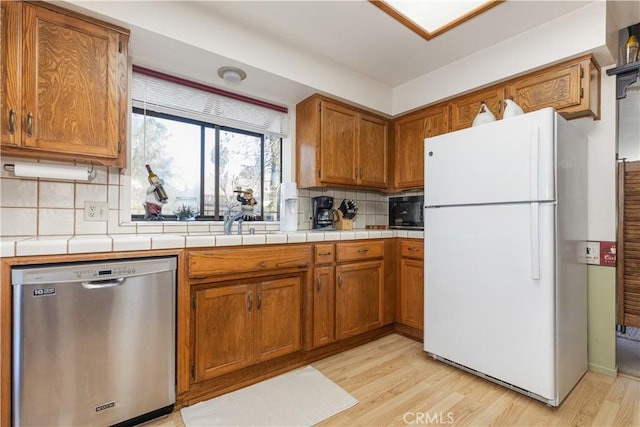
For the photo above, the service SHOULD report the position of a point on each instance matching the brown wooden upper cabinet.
(572, 88)
(339, 145)
(409, 134)
(464, 109)
(64, 85)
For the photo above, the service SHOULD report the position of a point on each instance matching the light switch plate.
(96, 211)
(592, 253)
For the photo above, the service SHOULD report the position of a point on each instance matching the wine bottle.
(154, 180)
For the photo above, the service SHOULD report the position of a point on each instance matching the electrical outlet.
(96, 211)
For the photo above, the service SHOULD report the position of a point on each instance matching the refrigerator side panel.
(489, 291)
(571, 291)
(501, 162)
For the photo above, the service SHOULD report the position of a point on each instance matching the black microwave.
(406, 212)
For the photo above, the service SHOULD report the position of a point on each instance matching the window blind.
(169, 97)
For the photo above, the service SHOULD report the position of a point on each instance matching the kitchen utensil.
(348, 209)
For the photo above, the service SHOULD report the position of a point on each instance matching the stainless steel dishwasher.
(93, 343)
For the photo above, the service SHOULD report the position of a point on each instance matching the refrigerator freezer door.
(489, 291)
(506, 161)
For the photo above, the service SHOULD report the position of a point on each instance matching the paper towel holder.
(91, 173)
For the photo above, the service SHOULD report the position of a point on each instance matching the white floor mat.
(299, 398)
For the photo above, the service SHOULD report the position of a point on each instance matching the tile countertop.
(60, 245)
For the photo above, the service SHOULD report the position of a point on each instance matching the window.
(197, 156)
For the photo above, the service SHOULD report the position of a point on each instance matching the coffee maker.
(322, 211)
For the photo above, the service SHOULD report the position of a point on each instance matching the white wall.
(601, 181)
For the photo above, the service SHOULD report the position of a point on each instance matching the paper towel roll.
(62, 172)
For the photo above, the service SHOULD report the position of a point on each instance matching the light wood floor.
(397, 384)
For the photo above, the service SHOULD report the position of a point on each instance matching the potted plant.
(186, 208)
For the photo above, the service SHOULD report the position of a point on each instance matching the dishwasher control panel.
(90, 271)
(104, 274)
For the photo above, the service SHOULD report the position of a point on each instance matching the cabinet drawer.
(412, 249)
(325, 253)
(359, 250)
(242, 260)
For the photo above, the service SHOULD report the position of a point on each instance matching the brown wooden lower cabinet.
(412, 293)
(359, 291)
(242, 324)
(255, 313)
(223, 330)
(410, 308)
(324, 312)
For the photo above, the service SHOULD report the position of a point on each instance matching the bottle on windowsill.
(154, 180)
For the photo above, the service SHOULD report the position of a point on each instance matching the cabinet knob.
(29, 124)
(12, 121)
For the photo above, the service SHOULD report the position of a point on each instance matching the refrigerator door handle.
(534, 164)
(535, 241)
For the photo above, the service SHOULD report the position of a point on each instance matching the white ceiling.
(361, 37)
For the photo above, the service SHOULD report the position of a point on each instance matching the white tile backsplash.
(18, 222)
(55, 195)
(89, 227)
(19, 193)
(37, 207)
(56, 222)
(90, 192)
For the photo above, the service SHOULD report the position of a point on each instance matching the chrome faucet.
(230, 217)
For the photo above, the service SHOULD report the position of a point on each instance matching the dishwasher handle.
(101, 284)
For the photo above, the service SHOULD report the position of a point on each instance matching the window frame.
(217, 216)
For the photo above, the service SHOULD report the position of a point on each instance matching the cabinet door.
(224, 328)
(70, 90)
(409, 144)
(338, 147)
(557, 88)
(411, 293)
(10, 72)
(465, 108)
(372, 151)
(324, 306)
(278, 318)
(358, 297)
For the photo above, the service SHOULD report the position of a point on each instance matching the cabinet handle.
(324, 253)
(259, 300)
(29, 124)
(319, 283)
(12, 121)
(363, 250)
(249, 300)
(499, 106)
(339, 280)
(413, 249)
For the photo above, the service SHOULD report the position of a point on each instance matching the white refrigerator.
(505, 292)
